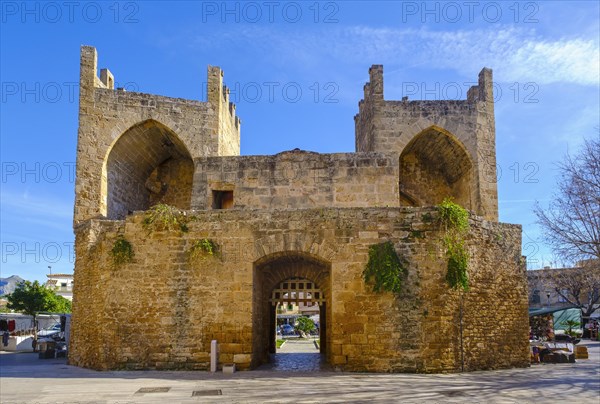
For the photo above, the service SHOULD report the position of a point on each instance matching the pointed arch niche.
(435, 165)
(146, 165)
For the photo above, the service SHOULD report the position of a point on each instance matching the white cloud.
(572, 61)
(514, 54)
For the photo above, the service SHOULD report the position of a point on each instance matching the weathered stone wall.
(171, 183)
(162, 309)
(495, 309)
(298, 179)
(106, 114)
(392, 125)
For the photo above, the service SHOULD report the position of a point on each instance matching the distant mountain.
(7, 285)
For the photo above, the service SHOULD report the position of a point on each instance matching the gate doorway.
(288, 286)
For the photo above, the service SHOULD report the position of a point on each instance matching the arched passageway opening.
(289, 278)
(148, 164)
(433, 166)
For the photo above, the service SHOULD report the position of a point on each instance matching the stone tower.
(135, 150)
(446, 148)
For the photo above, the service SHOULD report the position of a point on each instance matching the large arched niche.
(435, 165)
(269, 272)
(146, 165)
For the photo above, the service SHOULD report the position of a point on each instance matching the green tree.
(32, 297)
(62, 305)
(305, 325)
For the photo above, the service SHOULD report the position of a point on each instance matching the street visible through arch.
(297, 355)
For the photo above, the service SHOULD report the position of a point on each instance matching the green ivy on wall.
(384, 269)
(203, 248)
(122, 251)
(455, 220)
(165, 217)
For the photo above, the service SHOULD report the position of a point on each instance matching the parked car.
(50, 332)
(287, 329)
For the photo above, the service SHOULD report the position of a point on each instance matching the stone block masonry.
(241, 227)
(163, 309)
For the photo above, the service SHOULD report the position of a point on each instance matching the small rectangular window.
(222, 199)
(561, 298)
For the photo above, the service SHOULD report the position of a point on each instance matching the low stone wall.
(299, 179)
(162, 309)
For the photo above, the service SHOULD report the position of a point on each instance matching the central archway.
(274, 276)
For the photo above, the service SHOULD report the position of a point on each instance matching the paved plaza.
(297, 355)
(296, 375)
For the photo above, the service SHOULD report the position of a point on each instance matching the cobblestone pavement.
(297, 355)
(26, 379)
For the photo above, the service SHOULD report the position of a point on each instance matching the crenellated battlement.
(228, 124)
(231, 107)
(484, 90)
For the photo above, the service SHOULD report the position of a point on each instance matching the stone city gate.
(288, 277)
(294, 215)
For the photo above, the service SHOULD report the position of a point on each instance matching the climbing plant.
(384, 269)
(165, 217)
(203, 248)
(455, 220)
(122, 251)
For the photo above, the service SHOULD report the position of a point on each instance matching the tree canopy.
(32, 297)
(571, 226)
(571, 223)
(579, 286)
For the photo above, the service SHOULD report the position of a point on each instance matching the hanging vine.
(455, 220)
(384, 269)
(165, 217)
(122, 251)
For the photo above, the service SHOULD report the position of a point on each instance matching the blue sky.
(315, 55)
